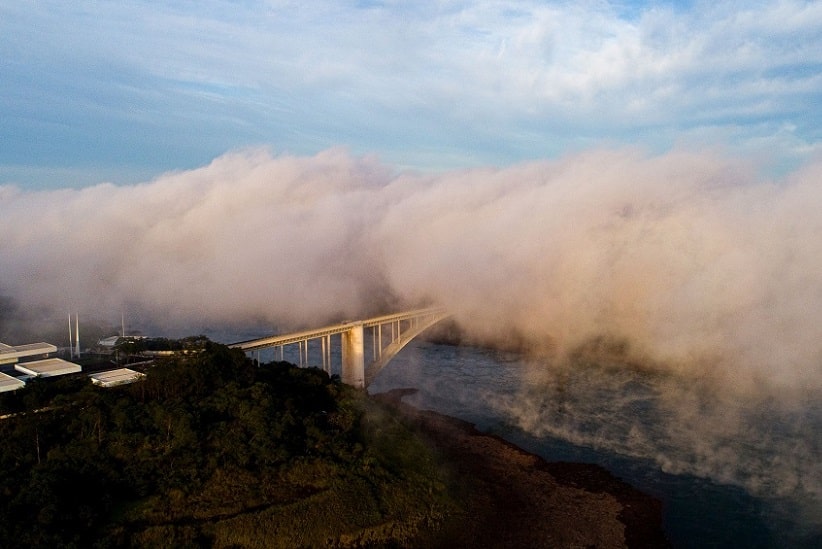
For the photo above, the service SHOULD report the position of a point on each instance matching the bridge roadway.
(397, 328)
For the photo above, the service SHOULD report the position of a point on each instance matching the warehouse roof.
(9, 383)
(112, 378)
(11, 354)
(48, 367)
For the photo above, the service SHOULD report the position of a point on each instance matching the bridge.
(387, 335)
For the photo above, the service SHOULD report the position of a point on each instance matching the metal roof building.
(11, 354)
(49, 367)
(110, 341)
(113, 378)
(9, 383)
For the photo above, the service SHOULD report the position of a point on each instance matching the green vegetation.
(210, 450)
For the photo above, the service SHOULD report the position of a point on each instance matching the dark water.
(731, 472)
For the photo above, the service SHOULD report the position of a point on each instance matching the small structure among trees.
(113, 378)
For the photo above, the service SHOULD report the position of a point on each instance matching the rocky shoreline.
(513, 498)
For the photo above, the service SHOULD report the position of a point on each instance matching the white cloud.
(703, 267)
(394, 77)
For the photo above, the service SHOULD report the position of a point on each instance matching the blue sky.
(123, 91)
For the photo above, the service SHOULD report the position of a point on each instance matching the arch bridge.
(388, 334)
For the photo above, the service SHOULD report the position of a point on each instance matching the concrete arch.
(391, 350)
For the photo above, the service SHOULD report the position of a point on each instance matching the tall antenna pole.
(71, 346)
(123, 323)
(77, 333)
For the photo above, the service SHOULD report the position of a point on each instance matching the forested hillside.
(211, 450)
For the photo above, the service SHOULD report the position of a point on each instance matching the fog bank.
(685, 262)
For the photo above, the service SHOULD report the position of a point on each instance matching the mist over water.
(730, 471)
(756, 443)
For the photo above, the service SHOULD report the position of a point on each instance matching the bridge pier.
(353, 356)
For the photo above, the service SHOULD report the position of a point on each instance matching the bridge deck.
(304, 335)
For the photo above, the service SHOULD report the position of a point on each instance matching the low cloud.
(684, 262)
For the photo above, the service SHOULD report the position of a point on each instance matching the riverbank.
(513, 498)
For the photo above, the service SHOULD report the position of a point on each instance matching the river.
(731, 471)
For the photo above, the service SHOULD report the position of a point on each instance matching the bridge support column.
(353, 357)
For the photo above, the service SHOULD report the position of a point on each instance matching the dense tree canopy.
(210, 450)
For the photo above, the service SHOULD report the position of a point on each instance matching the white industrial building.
(12, 354)
(9, 383)
(113, 378)
(109, 342)
(41, 366)
(48, 367)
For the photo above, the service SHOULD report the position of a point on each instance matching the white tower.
(71, 343)
(77, 333)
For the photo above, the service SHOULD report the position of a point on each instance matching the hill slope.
(212, 451)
